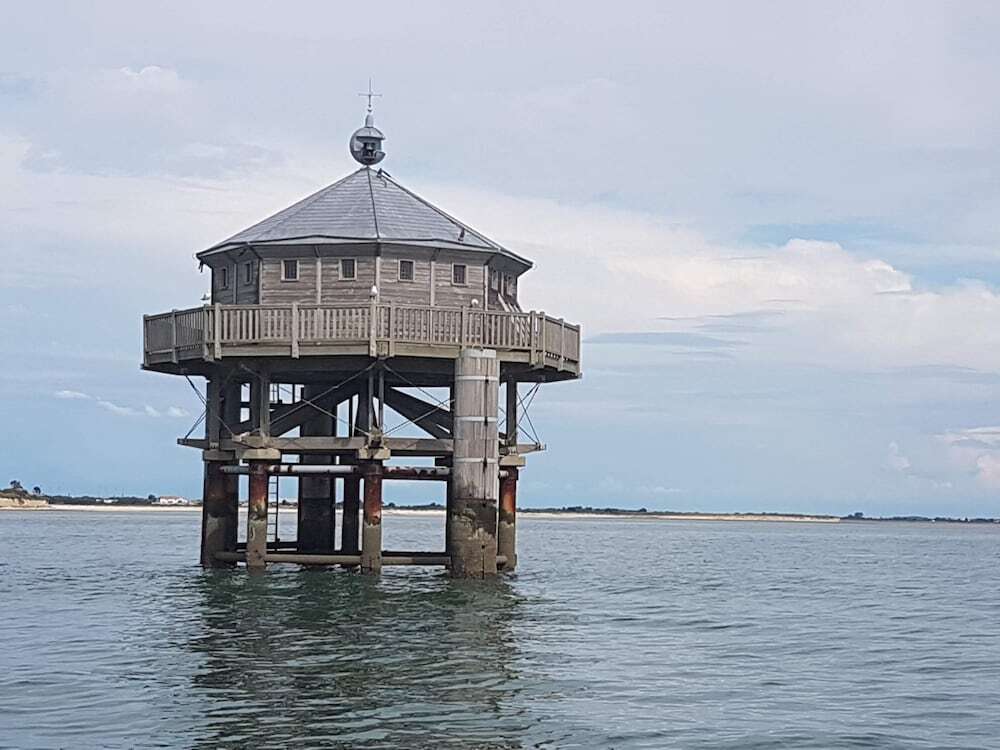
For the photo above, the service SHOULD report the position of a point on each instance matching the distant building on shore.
(173, 500)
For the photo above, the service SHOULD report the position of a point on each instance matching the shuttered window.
(348, 269)
(406, 270)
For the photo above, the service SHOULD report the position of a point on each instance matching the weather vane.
(370, 94)
(366, 142)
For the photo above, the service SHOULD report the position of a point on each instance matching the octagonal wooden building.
(360, 298)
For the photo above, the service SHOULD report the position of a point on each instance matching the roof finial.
(366, 143)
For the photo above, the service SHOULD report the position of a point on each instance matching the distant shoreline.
(541, 513)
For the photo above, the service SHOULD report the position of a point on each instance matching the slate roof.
(367, 206)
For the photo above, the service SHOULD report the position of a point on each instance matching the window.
(507, 286)
(348, 269)
(458, 274)
(406, 270)
(289, 270)
(224, 277)
(494, 279)
(248, 272)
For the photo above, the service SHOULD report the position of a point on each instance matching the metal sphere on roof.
(366, 143)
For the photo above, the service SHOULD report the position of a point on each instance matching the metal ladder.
(273, 501)
(273, 488)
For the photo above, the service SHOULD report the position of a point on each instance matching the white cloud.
(120, 409)
(626, 271)
(896, 460)
(988, 469)
(976, 450)
(71, 395)
(152, 78)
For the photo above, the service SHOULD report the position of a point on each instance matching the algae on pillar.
(472, 517)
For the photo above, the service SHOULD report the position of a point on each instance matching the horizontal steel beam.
(388, 472)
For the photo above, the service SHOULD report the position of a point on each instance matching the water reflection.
(413, 659)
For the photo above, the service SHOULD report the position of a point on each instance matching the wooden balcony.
(214, 332)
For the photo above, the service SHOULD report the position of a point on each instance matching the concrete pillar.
(317, 494)
(257, 516)
(472, 517)
(371, 533)
(507, 523)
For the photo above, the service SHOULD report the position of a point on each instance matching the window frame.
(248, 275)
(285, 277)
(465, 274)
(413, 270)
(340, 269)
(223, 277)
(494, 279)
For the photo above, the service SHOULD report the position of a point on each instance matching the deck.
(214, 332)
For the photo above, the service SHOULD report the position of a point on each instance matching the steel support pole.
(371, 533)
(218, 515)
(257, 516)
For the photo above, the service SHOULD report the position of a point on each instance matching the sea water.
(615, 633)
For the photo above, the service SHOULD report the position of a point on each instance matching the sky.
(776, 223)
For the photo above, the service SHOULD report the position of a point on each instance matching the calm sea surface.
(616, 633)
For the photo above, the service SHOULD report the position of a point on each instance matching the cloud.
(896, 460)
(120, 409)
(976, 450)
(628, 272)
(71, 395)
(662, 338)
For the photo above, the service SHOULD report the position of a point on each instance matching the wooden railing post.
(389, 328)
(204, 332)
(145, 339)
(463, 334)
(218, 331)
(562, 342)
(295, 330)
(532, 335)
(541, 345)
(173, 336)
(372, 328)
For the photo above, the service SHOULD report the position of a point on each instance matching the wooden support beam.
(260, 404)
(432, 419)
(398, 446)
(317, 492)
(388, 558)
(286, 417)
(510, 436)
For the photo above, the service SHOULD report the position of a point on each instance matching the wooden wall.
(319, 277)
(238, 291)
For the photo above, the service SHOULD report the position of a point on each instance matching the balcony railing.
(212, 331)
